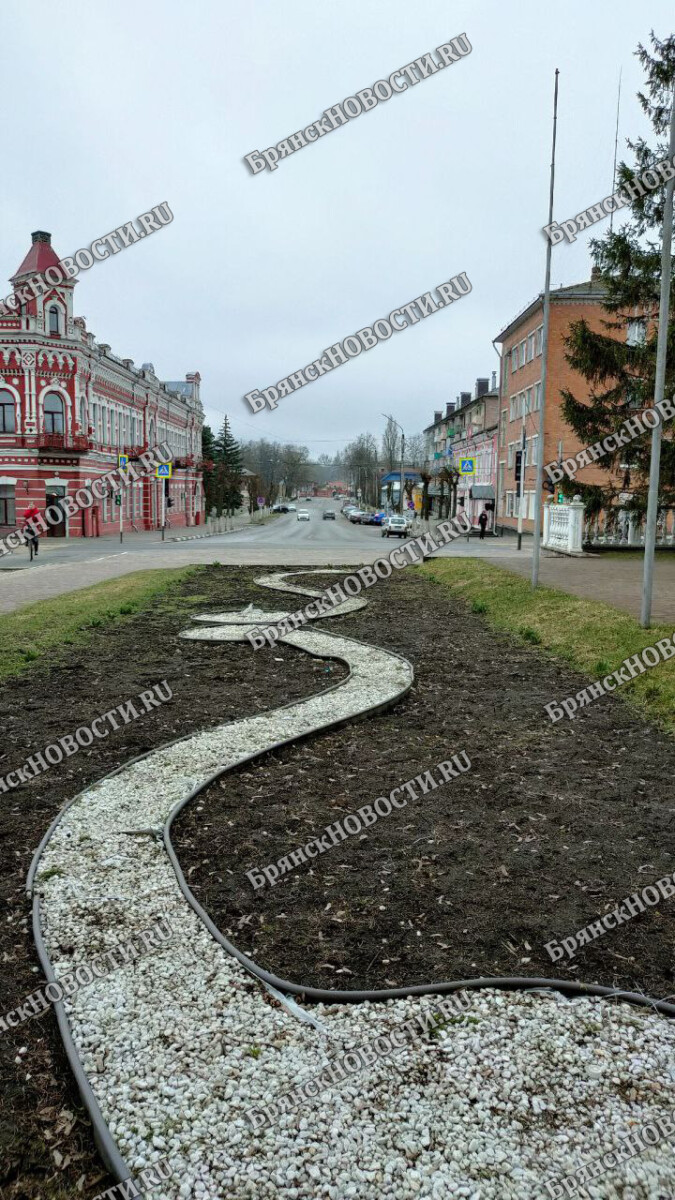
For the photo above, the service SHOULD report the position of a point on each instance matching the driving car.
(303, 515)
(395, 527)
(279, 508)
(329, 515)
(292, 508)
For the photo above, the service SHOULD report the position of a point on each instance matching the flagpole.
(544, 355)
(659, 388)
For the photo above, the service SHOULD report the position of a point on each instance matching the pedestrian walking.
(482, 521)
(30, 529)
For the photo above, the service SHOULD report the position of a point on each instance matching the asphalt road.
(284, 541)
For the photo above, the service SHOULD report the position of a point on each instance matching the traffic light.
(519, 459)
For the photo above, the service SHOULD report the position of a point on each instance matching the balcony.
(63, 443)
(183, 462)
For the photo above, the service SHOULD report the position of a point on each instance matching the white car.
(292, 508)
(395, 527)
(303, 515)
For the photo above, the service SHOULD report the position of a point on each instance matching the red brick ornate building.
(69, 407)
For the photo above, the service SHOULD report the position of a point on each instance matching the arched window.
(53, 412)
(54, 319)
(7, 413)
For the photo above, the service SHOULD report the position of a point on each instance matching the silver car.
(303, 515)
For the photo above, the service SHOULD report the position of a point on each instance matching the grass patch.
(31, 632)
(595, 638)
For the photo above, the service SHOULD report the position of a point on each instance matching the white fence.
(239, 521)
(564, 527)
(618, 527)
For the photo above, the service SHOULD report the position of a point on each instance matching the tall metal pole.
(402, 461)
(544, 356)
(521, 481)
(659, 388)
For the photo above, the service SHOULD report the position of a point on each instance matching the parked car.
(280, 508)
(303, 515)
(292, 508)
(395, 527)
(329, 515)
(375, 518)
(356, 516)
(347, 509)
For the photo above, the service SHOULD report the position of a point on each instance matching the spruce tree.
(620, 373)
(208, 467)
(228, 470)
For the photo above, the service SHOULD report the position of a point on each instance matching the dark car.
(375, 518)
(329, 515)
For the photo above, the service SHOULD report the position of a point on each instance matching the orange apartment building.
(520, 393)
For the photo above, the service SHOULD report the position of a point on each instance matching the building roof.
(395, 476)
(592, 290)
(40, 256)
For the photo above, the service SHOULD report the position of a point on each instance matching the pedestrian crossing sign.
(164, 471)
(123, 460)
(467, 466)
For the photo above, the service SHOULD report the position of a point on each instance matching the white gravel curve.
(528, 1087)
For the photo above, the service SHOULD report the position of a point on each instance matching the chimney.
(596, 274)
(482, 386)
(449, 408)
(464, 398)
(438, 416)
(493, 385)
(41, 236)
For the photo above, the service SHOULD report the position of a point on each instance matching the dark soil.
(552, 827)
(46, 1145)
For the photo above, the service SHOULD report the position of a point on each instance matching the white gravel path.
(180, 1044)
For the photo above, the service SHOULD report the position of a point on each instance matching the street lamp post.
(390, 418)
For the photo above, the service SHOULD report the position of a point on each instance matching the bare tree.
(391, 445)
(415, 450)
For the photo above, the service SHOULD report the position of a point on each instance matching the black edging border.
(103, 1139)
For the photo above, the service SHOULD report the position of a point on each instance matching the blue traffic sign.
(467, 466)
(163, 471)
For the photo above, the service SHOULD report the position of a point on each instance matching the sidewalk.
(616, 581)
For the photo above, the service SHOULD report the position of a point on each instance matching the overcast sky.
(114, 106)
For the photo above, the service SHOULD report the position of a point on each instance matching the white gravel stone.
(527, 1087)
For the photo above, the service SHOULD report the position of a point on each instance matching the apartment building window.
(511, 458)
(7, 414)
(530, 347)
(522, 353)
(510, 508)
(514, 360)
(53, 413)
(7, 504)
(539, 339)
(537, 397)
(636, 334)
(502, 427)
